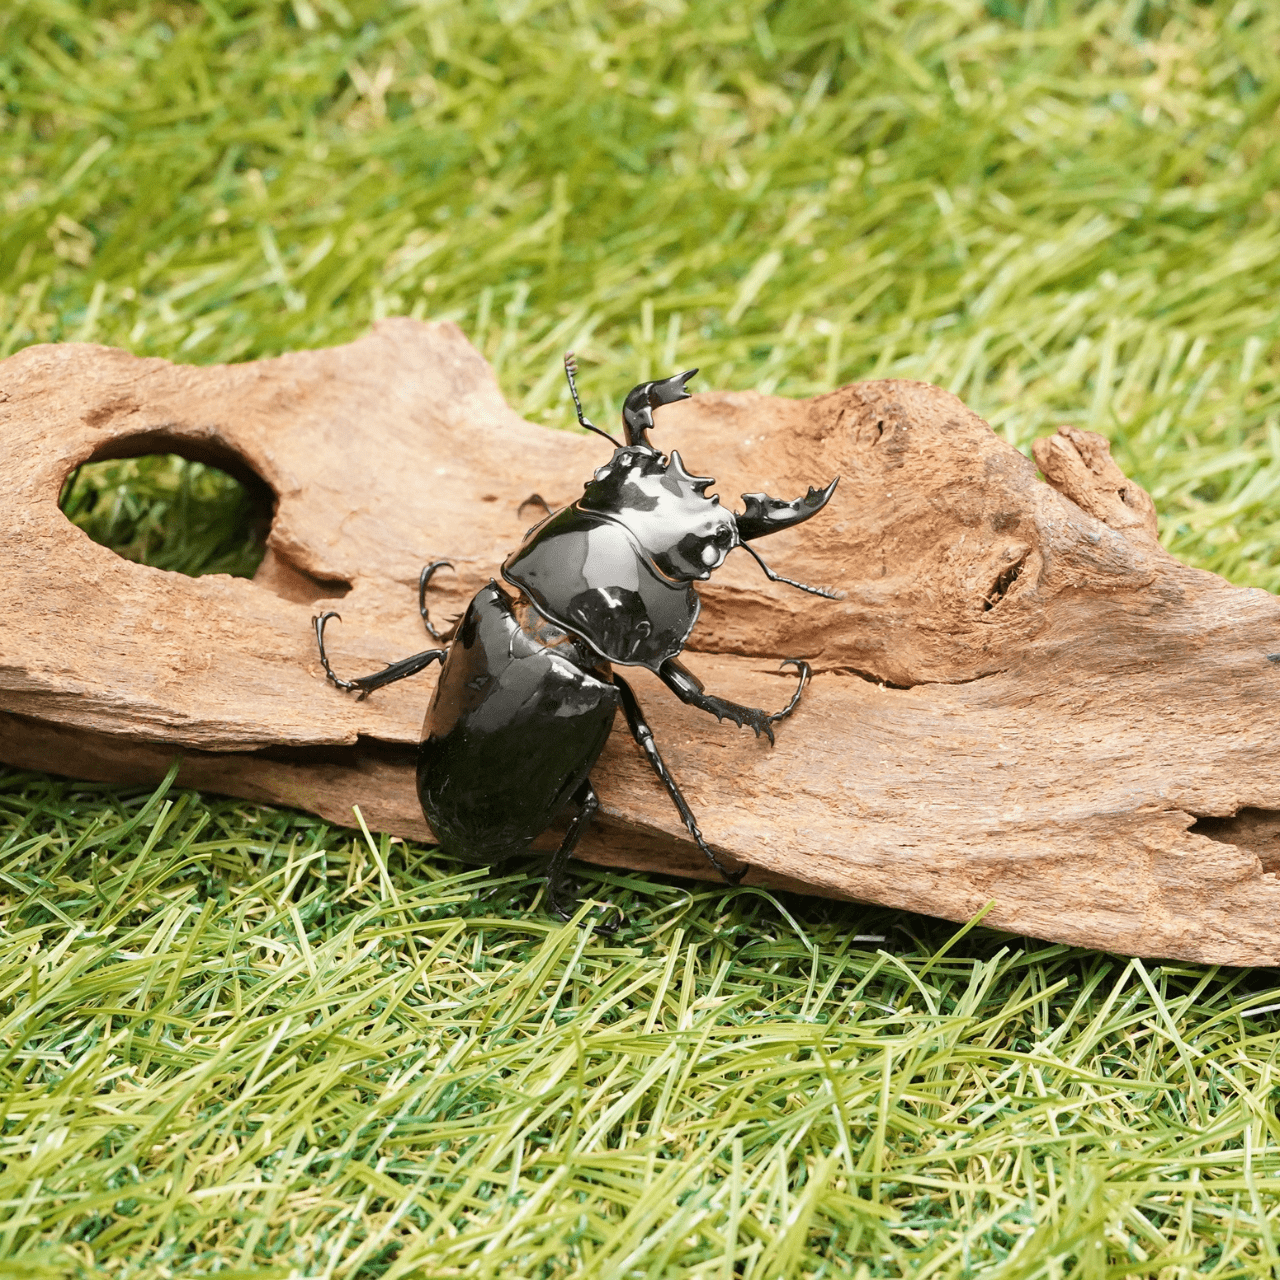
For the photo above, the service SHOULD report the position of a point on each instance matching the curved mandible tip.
(642, 400)
(770, 515)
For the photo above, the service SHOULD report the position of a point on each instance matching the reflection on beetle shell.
(682, 532)
(588, 573)
(485, 793)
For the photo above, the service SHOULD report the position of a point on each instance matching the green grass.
(165, 511)
(234, 1040)
(237, 1037)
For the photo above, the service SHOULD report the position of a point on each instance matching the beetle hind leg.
(643, 735)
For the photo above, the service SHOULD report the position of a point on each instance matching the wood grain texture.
(1020, 697)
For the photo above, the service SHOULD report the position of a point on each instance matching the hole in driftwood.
(190, 506)
(1255, 830)
(1004, 580)
(191, 516)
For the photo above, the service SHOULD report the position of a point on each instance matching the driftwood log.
(1021, 697)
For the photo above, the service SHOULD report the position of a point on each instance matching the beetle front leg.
(643, 735)
(690, 690)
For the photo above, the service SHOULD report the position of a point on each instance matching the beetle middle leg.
(643, 735)
(689, 689)
(424, 580)
(536, 500)
(392, 672)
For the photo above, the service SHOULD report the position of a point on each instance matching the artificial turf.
(235, 1040)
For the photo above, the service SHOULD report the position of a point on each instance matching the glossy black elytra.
(528, 692)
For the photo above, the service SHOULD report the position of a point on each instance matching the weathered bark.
(1021, 697)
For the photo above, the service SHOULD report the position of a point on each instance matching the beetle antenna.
(570, 369)
(791, 582)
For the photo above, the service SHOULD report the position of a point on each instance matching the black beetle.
(528, 695)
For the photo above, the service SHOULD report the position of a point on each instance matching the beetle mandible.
(528, 693)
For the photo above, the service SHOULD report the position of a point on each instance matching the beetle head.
(641, 401)
(682, 533)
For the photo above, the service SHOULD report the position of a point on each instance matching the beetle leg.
(791, 582)
(805, 672)
(643, 735)
(535, 500)
(689, 689)
(423, 579)
(560, 892)
(392, 672)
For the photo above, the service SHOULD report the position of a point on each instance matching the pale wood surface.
(1020, 698)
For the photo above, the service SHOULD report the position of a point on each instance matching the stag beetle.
(528, 693)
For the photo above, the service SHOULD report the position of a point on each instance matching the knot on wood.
(1079, 465)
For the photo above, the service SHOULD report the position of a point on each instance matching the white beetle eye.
(709, 554)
